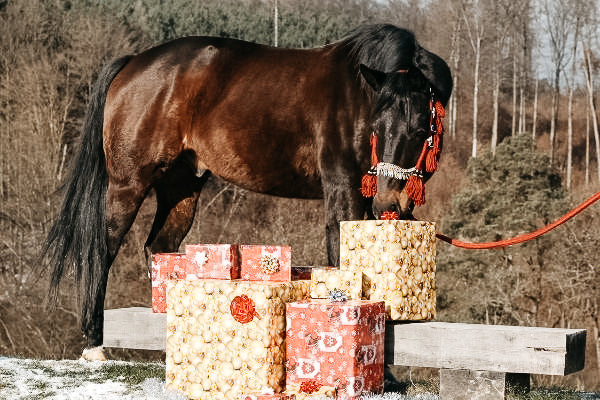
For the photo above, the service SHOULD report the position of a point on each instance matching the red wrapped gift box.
(213, 261)
(338, 344)
(266, 263)
(268, 396)
(165, 266)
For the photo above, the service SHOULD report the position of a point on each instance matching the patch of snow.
(66, 380)
(154, 389)
(81, 380)
(398, 396)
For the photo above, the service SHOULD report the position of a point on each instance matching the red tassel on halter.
(368, 187)
(415, 189)
(433, 156)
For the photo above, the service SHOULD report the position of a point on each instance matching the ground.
(120, 380)
(112, 380)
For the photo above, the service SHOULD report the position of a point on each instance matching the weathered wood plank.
(135, 328)
(496, 348)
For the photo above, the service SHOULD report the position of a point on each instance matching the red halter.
(428, 160)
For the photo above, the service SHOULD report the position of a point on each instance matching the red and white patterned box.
(310, 390)
(339, 344)
(266, 263)
(165, 266)
(268, 396)
(213, 261)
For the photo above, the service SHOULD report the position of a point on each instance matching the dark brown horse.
(286, 122)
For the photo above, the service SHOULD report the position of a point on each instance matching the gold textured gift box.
(226, 338)
(397, 259)
(327, 279)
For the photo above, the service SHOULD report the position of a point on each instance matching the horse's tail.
(78, 237)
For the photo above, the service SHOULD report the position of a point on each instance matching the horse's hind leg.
(123, 201)
(177, 194)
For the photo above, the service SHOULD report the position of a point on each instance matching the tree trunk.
(521, 108)
(570, 117)
(514, 96)
(570, 139)
(596, 338)
(454, 105)
(587, 146)
(495, 95)
(535, 107)
(276, 25)
(590, 88)
(554, 117)
(475, 93)
(455, 57)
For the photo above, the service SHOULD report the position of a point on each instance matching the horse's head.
(402, 124)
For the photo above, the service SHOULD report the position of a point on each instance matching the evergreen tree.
(513, 192)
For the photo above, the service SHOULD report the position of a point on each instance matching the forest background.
(521, 148)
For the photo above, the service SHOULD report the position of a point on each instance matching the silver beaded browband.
(393, 171)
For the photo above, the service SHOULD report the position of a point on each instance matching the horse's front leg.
(343, 202)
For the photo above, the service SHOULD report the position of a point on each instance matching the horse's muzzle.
(394, 202)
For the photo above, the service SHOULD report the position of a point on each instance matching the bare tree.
(558, 19)
(524, 27)
(590, 89)
(578, 10)
(472, 15)
(500, 19)
(276, 24)
(587, 144)
(454, 60)
(535, 108)
(589, 35)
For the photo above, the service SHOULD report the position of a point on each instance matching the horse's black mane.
(382, 47)
(387, 48)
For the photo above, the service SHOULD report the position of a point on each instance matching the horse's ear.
(436, 71)
(374, 78)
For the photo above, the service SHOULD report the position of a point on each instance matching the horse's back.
(250, 113)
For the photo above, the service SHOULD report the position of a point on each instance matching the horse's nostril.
(393, 207)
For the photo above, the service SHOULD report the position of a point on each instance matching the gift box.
(227, 337)
(266, 263)
(212, 261)
(397, 259)
(268, 396)
(165, 266)
(325, 280)
(402, 302)
(310, 390)
(335, 344)
(301, 273)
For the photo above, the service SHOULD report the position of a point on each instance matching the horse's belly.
(277, 183)
(270, 161)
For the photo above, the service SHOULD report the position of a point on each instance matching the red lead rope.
(516, 240)
(525, 237)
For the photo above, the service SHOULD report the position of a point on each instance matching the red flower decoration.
(242, 309)
(390, 215)
(309, 387)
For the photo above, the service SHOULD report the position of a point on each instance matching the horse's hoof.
(94, 354)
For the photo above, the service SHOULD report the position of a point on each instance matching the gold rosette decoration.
(269, 264)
